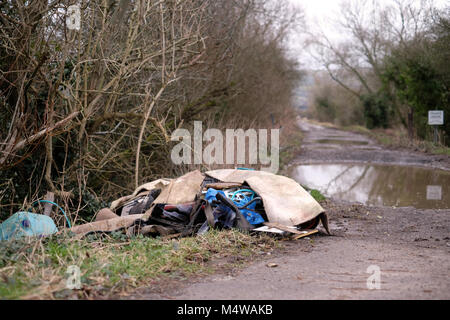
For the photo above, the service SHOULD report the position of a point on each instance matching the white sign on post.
(435, 117)
(434, 192)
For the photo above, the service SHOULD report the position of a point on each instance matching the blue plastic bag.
(23, 224)
(251, 216)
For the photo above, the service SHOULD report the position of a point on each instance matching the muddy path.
(410, 247)
(328, 145)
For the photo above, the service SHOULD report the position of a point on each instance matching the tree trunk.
(411, 123)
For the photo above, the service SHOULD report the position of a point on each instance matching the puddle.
(337, 141)
(379, 184)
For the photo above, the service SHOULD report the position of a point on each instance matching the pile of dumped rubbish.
(192, 204)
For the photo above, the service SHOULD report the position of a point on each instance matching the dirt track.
(313, 152)
(411, 247)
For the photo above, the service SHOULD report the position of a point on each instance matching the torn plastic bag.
(171, 219)
(175, 216)
(245, 205)
(140, 204)
(140, 191)
(225, 214)
(218, 217)
(26, 224)
(178, 213)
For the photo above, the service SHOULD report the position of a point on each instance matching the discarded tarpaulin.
(241, 199)
(108, 225)
(141, 190)
(183, 189)
(105, 214)
(285, 201)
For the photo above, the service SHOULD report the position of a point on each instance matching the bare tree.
(93, 109)
(371, 31)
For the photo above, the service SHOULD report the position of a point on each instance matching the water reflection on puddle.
(379, 184)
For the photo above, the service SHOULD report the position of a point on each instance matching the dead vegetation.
(88, 113)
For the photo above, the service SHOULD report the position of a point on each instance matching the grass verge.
(114, 264)
(399, 139)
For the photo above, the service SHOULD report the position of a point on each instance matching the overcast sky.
(320, 13)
